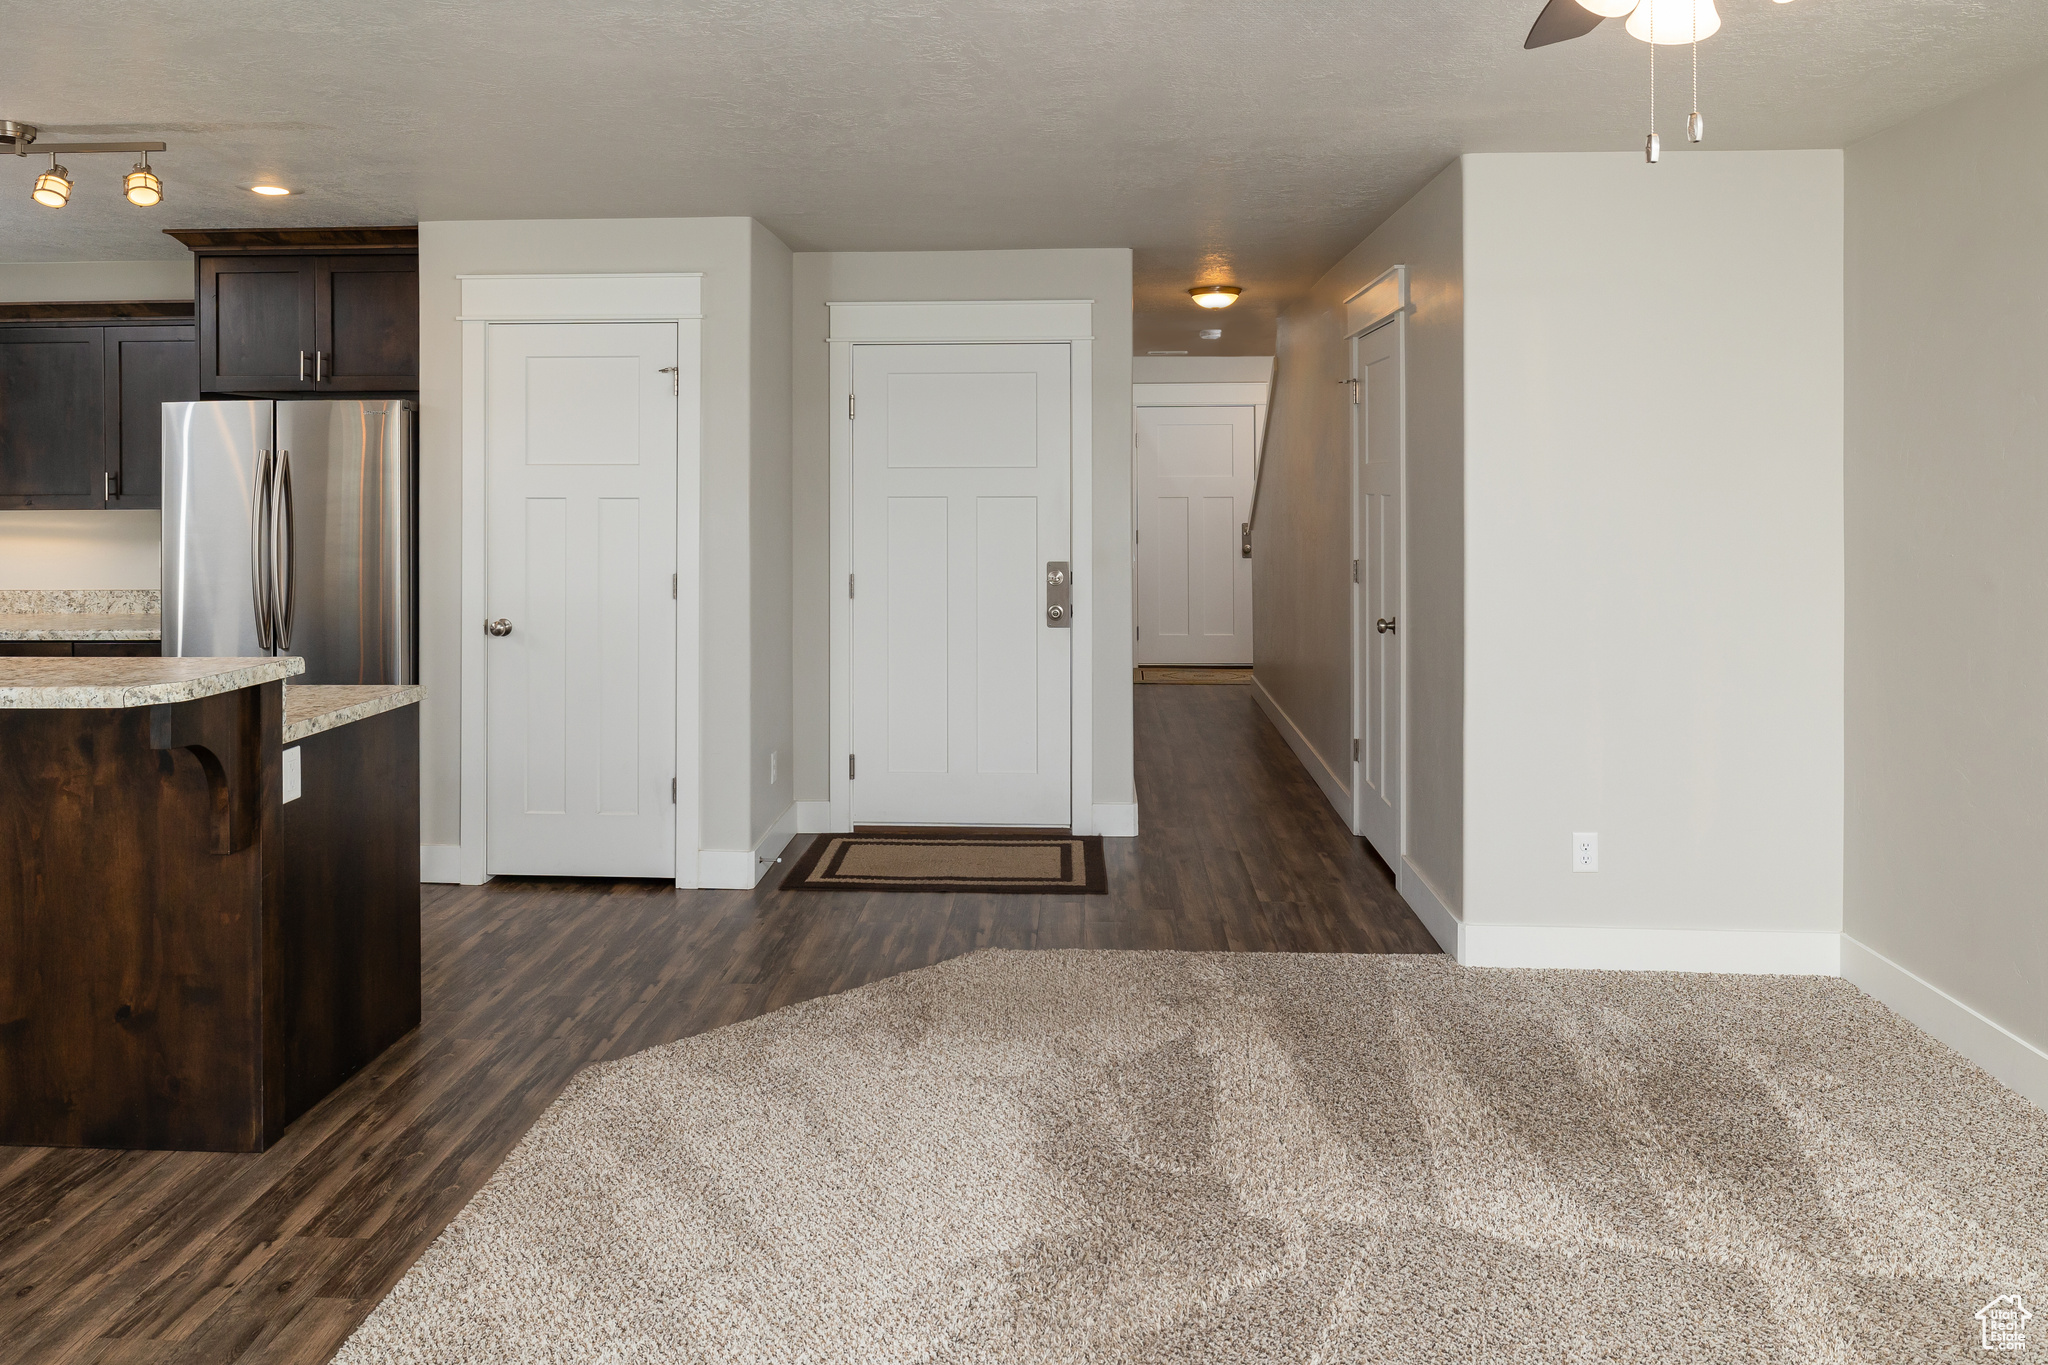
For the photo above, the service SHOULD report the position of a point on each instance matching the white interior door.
(1194, 484)
(580, 709)
(1379, 449)
(962, 683)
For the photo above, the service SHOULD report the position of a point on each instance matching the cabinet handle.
(319, 357)
(113, 486)
(302, 367)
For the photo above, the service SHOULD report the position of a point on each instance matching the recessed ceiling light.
(268, 189)
(1215, 295)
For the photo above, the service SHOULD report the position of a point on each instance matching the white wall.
(1654, 540)
(842, 277)
(81, 549)
(96, 281)
(1948, 580)
(86, 549)
(1201, 369)
(1301, 540)
(745, 482)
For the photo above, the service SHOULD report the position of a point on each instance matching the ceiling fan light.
(1607, 9)
(1674, 21)
(53, 187)
(143, 187)
(1215, 295)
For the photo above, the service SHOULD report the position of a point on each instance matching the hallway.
(155, 1256)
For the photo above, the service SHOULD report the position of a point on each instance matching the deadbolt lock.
(1059, 601)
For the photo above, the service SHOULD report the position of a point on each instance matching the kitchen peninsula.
(209, 896)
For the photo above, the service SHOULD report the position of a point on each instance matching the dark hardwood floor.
(125, 1257)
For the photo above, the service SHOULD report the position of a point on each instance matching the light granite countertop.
(99, 684)
(81, 614)
(80, 625)
(312, 710)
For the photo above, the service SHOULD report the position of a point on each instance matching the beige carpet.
(1076, 1156)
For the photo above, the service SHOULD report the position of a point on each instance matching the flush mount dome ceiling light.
(1660, 23)
(1215, 295)
(143, 187)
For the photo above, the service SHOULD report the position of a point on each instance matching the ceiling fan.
(1673, 19)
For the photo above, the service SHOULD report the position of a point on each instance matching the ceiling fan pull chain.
(1652, 149)
(1696, 127)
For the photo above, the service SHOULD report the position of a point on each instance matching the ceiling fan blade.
(1561, 19)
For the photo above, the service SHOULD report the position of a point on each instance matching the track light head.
(53, 187)
(144, 188)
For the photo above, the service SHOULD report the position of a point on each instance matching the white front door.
(1379, 437)
(580, 693)
(962, 683)
(1194, 486)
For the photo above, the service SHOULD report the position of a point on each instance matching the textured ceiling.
(1254, 142)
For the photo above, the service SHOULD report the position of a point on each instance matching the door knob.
(498, 627)
(1385, 625)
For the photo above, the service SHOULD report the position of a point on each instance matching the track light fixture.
(143, 186)
(53, 187)
(1215, 295)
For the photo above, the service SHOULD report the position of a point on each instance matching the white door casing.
(1195, 469)
(961, 496)
(581, 559)
(1379, 459)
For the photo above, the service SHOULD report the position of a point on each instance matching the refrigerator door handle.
(259, 549)
(284, 578)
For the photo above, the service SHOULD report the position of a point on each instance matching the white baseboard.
(2017, 1063)
(815, 817)
(1116, 819)
(1628, 948)
(1334, 791)
(1430, 907)
(441, 863)
(742, 869)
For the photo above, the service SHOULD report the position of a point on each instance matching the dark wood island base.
(187, 961)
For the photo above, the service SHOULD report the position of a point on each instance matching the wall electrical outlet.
(1585, 853)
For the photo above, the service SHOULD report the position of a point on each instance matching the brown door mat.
(1153, 673)
(1039, 862)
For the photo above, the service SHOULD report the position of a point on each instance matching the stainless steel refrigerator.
(289, 528)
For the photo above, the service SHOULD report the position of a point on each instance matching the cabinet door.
(256, 324)
(369, 323)
(147, 367)
(51, 446)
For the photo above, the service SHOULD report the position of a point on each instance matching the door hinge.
(1137, 632)
(849, 407)
(675, 586)
(849, 767)
(1354, 751)
(671, 791)
(849, 587)
(675, 378)
(1354, 571)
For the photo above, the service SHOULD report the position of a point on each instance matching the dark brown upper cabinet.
(256, 328)
(146, 367)
(81, 410)
(52, 386)
(279, 315)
